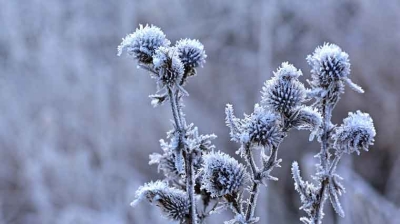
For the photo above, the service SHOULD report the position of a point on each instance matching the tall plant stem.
(188, 156)
(324, 161)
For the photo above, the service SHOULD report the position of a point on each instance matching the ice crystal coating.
(308, 194)
(191, 52)
(166, 161)
(174, 203)
(308, 118)
(143, 43)
(168, 65)
(223, 175)
(357, 132)
(330, 65)
(262, 127)
(284, 92)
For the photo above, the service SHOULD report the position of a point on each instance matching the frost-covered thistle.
(191, 53)
(182, 157)
(143, 43)
(330, 71)
(173, 203)
(357, 132)
(168, 66)
(223, 175)
(329, 64)
(262, 127)
(284, 92)
(197, 175)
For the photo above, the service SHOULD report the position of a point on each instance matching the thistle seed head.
(329, 64)
(222, 174)
(168, 65)
(357, 132)
(191, 52)
(143, 43)
(263, 128)
(284, 92)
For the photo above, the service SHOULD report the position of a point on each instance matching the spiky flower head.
(174, 203)
(263, 128)
(223, 175)
(329, 63)
(357, 132)
(168, 66)
(191, 52)
(330, 67)
(284, 92)
(143, 43)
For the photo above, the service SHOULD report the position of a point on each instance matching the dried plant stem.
(255, 188)
(324, 162)
(189, 172)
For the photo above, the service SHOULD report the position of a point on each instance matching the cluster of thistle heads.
(218, 176)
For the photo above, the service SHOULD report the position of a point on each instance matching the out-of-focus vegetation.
(76, 126)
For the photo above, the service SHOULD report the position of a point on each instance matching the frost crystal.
(191, 52)
(167, 161)
(168, 65)
(222, 175)
(357, 132)
(143, 43)
(174, 203)
(284, 92)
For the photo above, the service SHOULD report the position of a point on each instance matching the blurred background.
(76, 125)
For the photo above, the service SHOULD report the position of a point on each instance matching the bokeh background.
(76, 125)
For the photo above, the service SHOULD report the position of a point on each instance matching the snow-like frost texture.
(357, 132)
(308, 194)
(308, 118)
(233, 123)
(284, 92)
(166, 161)
(174, 203)
(223, 175)
(191, 52)
(143, 43)
(168, 65)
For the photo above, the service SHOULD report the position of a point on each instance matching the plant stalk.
(324, 161)
(188, 156)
